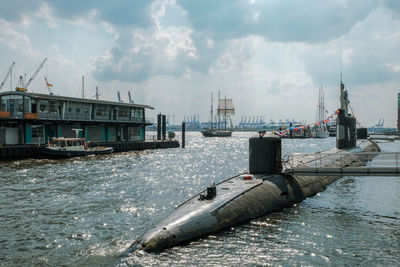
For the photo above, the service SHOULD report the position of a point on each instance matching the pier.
(339, 164)
(27, 151)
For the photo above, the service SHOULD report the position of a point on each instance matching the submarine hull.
(238, 200)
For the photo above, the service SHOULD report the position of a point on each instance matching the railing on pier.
(320, 164)
(394, 132)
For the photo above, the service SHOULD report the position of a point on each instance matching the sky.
(270, 57)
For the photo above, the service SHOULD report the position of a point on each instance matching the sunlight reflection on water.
(87, 211)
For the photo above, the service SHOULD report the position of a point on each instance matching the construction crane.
(25, 88)
(8, 74)
(48, 85)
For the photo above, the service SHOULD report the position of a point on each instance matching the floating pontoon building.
(29, 119)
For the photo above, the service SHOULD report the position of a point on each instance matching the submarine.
(264, 189)
(243, 197)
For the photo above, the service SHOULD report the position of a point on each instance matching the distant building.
(31, 118)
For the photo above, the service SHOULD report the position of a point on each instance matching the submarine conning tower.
(345, 123)
(265, 154)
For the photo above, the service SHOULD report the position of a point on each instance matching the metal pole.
(83, 86)
(183, 134)
(164, 127)
(159, 126)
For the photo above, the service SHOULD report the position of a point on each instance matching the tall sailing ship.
(225, 109)
(320, 130)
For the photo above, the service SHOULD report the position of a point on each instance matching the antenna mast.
(130, 97)
(97, 93)
(342, 104)
(83, 86)
(212, 113)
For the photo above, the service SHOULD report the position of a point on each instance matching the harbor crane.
(48, 85)
(25, 88)
(7, 75)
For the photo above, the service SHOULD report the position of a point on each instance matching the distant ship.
(380, 124)
(225, 108)
(320, 130)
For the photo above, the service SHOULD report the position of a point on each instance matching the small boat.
(332, 130)
(60, 147)
(216, 133)
(225, 107)
(320, 131)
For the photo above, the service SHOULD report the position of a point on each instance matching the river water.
(87, 211)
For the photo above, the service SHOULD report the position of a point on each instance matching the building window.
(43, 106)
(123, 112)
(78, 110)
(69, 109)
(37, 131)
(3, 105)
(52, 107)
(101, 110)
(137, 113)
(134, 133)
(86, 110)
(12, 103)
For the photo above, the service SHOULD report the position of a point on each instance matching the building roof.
(75, 99)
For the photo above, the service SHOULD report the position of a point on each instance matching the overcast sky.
(270, 57)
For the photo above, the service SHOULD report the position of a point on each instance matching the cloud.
(117, 12)
(369, 53)
(15, 40)
(300, 21)
(174, 52)
(197, 35)
(138, 54)
(392, 4)
(46, 14)
(14, 10)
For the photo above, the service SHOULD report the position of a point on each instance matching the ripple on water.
(87, 211)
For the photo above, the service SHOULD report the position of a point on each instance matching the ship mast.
(225, 112)
(219, 109)
(341, 80)
(212, 113)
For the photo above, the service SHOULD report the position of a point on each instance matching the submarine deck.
(233, 188)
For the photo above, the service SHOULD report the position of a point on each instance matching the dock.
(27, 151)
(29, 120)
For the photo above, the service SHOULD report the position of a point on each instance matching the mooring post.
(183, 134)
(159, 126)
(164, 127)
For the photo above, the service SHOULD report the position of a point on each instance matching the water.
(87, 211)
